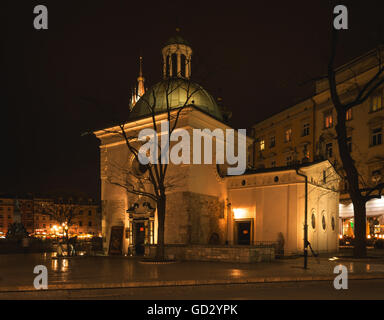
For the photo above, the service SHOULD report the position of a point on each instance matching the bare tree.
(359, 195)
(154, 182)
(60, 211)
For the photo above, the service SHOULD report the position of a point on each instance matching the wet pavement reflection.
(17, 269)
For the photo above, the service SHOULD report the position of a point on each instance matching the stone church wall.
(194, 218)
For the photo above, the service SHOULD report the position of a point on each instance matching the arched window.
(323, 221)
(167, 66)
(313, 219)
(174, 64)
(182, 62)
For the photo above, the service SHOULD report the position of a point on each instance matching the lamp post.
(305, 219)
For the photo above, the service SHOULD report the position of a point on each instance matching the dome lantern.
(177, 57)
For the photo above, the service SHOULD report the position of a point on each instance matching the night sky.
(78, 74)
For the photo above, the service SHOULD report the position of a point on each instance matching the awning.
(374, 207)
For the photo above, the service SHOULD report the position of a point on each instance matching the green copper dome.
(178, 91)
(177, 39)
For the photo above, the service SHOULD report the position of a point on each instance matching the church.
(210, 215)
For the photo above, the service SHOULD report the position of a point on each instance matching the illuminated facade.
(86, 218)
(6, 214)
(204, 206)
(36, 221)
(311, 125)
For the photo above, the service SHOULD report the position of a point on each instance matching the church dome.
(177, 39)
(179, 89)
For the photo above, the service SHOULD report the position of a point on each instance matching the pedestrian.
(71, 244)
(74, 245)
(70, 252)
(59, 249)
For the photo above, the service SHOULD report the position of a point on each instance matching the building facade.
(306, 132)
(39, 221)
(6, 214)
(204, 205)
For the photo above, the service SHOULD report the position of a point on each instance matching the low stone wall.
(241, 254)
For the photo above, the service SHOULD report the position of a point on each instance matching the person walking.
(59, 250)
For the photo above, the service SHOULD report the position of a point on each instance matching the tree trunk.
(161, 205)
(359, 248)
(349, 166)
(352, 174)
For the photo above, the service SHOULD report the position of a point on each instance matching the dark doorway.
(244, 233)
(139, 238)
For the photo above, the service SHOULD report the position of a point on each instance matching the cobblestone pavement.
(17, 270)
(301, 290)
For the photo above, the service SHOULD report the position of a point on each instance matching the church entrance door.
(139, 238)
(244, 232)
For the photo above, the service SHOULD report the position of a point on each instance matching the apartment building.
(306, 132)
(38, 215)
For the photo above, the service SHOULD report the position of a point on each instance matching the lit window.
(376, 136)
(348, 115)
(262, 144)
(328, 120)
(377, 102)
(288, 135)
(306, 129)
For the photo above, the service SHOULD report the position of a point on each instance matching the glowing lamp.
(240, 213)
